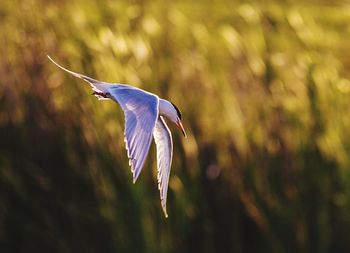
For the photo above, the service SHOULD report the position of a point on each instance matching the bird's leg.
(100, 94)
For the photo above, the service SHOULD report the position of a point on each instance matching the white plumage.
(144, 113)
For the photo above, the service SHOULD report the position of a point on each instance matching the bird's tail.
(97, 86)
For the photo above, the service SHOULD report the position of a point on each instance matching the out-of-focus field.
(264, 87)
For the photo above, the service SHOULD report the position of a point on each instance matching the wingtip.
(165, 212)
(57, 63)
(134, 178)
(48, 56)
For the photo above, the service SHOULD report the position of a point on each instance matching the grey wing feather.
(141, 113)
(164, 142)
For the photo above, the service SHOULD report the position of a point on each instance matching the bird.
(144, 117)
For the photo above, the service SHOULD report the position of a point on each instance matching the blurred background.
(264, 88)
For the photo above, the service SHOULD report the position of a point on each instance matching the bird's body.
(144, 118)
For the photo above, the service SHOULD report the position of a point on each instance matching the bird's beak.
(180, 126)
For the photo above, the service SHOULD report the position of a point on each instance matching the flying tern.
(144, 116)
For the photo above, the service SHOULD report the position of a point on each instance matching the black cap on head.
(177, 110)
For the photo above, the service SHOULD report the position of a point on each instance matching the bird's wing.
(97, 86)
(141, 113)
(164, 142)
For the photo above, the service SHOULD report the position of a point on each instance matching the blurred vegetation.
(264, 87)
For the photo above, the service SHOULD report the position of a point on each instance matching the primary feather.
(164, 142)
(141, 112)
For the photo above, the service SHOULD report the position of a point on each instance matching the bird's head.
(171, 112)
(177, 121)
